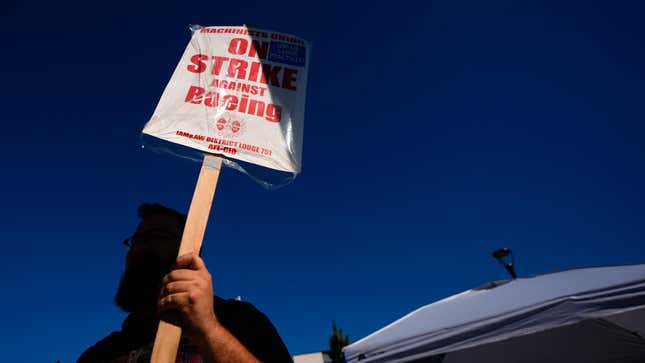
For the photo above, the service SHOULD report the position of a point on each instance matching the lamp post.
(502, 255)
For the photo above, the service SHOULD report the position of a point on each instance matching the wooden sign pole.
(169, 333)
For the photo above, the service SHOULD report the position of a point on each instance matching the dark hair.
(148, 210)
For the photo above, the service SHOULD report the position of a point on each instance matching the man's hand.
(188, 289)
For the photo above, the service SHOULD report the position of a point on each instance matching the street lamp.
(502, 255)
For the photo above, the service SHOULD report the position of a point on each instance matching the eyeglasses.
(128, 243)
(133, 240)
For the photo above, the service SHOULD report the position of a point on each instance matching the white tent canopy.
(580, 315)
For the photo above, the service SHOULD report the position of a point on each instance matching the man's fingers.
(174, 301)
(179, 275)
(190, 261)
(177, 287)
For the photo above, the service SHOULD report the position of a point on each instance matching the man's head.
(153, 250)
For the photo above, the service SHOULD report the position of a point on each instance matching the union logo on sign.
(221, 124)
(230, 128)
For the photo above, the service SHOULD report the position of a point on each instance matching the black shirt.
(133, 344)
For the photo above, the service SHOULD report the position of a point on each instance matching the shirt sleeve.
(104, 350)
(256, 332)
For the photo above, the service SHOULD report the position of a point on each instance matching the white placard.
(238, 92)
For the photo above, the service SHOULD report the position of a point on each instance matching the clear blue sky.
(434, 134)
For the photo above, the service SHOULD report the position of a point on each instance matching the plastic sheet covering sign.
(238, 92)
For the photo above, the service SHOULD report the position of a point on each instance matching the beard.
(139, 287)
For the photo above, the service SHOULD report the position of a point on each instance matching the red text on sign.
(243, 104)
(278, 76)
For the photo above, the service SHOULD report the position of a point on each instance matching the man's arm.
(256, 332)
(189, 290)
(218, 345)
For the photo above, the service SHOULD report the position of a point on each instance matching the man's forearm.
(218, 345)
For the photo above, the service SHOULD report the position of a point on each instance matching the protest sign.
(237, 93)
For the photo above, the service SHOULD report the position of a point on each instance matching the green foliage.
(336, 343)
